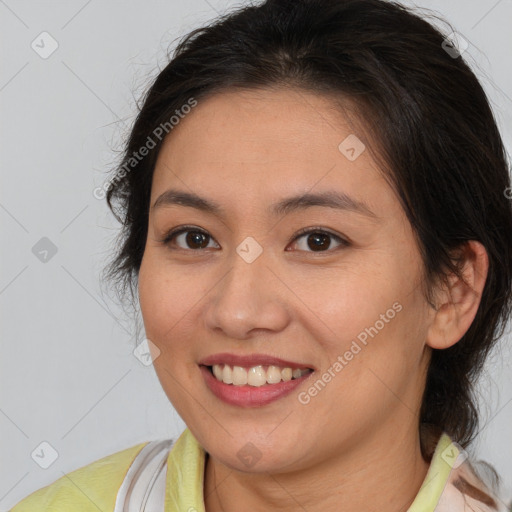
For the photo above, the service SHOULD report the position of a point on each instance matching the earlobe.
(458, 300)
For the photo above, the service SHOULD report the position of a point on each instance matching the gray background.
(68, 374)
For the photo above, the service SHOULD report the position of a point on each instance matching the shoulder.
(90, 488)
(456, 481)
(470, 490)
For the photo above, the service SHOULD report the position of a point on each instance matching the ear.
(457, 302)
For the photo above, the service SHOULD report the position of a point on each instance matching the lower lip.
(250, 396)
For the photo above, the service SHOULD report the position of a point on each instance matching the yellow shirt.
(94, 487)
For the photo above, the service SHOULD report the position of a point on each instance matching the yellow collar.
(185, 475)
(437, 475)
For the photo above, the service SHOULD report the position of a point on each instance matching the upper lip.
(248, 361)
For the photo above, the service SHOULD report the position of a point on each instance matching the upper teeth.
(255, 376)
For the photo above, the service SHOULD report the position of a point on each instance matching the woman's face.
(349, 308)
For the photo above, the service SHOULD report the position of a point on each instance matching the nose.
(248, 298)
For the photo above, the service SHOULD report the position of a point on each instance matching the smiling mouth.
(256, 376)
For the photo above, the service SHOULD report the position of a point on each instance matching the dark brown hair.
(424, 110)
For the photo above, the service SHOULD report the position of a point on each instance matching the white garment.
(143, 489)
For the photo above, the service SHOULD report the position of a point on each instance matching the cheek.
(352, 297)
(166, 302)
(163, 298)
(372, 310)
(170, 301)
(152, 303)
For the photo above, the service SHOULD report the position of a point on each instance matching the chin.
(247, 454)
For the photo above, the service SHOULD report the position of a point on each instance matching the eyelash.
(171, 235)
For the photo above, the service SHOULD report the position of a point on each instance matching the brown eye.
(189, 238)
(195, 238)
(318, 240)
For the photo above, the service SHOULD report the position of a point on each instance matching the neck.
(383, 473)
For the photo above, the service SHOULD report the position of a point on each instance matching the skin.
(355, 446)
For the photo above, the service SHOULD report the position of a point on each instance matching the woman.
(316, 226)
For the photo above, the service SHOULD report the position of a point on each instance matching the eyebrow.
(329, 199)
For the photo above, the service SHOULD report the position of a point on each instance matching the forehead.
(258, 144)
